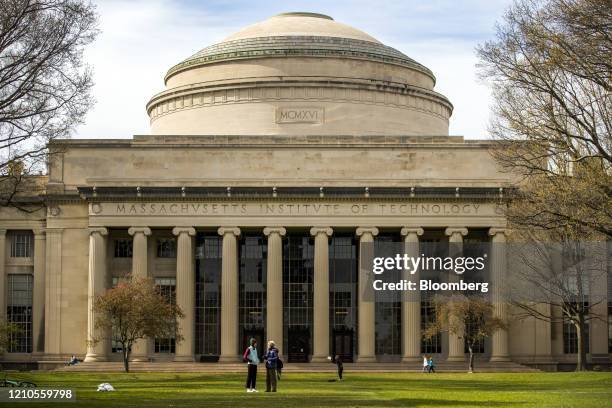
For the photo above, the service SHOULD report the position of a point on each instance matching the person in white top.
(425, 364)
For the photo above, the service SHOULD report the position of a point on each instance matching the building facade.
(275, 157)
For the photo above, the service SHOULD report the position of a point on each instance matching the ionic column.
(320, 350)
(456, 344)
(38, 293)
(229, 295)
(53, 293)
(140, 350)
(497, 274)
(97, 285)
(411, 304)
(185, 292)
(274, 286)
(366, 326)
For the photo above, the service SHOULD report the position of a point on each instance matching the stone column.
(140, 350)
(497, 274)
(366, 307)
(229, 295)
(38, 293)
(185, 292)
(274, 286)
(3, 251)
(53, 294)
(456, 344)
(411, 304)
(98, 279)
(320, 311)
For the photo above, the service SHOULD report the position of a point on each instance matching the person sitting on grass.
(73, 360)
(252, 359)
(271, 358)
(431, 366)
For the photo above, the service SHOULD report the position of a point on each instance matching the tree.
(44, 85)
(470, 317)
(133, 310)
(7, 331)
(549, 68)
(559, 278)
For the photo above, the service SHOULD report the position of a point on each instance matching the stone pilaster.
(456, 344)
(320, 350)
(411, 304)
(53, 294)
(185, 292)
(274, 286)
(140, 350)
(497, 273)
(229, 295)
(96, 350)
(3, 251)
(38, 293)
(367, 307)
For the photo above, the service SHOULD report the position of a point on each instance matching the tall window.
(431, 247)
(343, 295)
(21, 244)
(123, 248)
(252, 287)
(472, 324)
(388, 312)
(19, 312)
(570, 337)
(167, 288)
(476, 244)
(298, 259)
(208, 296)
(166, 247)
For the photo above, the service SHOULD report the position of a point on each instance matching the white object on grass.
(105, 387)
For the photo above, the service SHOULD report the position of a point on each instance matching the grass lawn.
(314, 390)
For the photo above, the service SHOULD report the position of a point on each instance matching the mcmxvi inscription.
(300, 115)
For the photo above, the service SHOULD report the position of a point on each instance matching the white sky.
(141, 39)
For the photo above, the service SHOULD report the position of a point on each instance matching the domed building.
(280, 161)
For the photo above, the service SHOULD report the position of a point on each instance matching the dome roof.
(298, 34)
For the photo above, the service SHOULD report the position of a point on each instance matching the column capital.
(412, 230)
(366, 230)
(497, 230)
(2, 232)
(229, 230)
(135, 230)
(39, 233)
(275, 230)
(314, 231)
(456, 230)
(99, 230)
(183, 230)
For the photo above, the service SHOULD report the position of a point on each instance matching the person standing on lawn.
(339, 366)
(425, 364)
(431, 365)
(252, 359)
(271, 358)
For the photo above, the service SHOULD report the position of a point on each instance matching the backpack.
(279, 364)
(245, 356)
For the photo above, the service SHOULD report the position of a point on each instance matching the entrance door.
(298, 341)
(343, 345)
(257, 334)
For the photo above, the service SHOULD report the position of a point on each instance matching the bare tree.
(134, 310)
(549, 68)
(470, 317)
(44, 85)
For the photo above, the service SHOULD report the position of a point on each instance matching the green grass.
(314, 390)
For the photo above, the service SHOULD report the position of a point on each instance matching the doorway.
(343, 344)
(298, 341)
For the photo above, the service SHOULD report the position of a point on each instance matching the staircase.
(174, 367)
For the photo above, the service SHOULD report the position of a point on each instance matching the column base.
(456, 359)
(139, 359)
(319, 359)
(184, 359)
(412, 359)
(93, 358)
(499, 359)
(230, 359)
(366, 359)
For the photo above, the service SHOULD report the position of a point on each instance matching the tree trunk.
(471, 363)
(126, 358)
(580, 334)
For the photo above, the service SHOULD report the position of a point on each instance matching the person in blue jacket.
(271, 357)
(252, 359)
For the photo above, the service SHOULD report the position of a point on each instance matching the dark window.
(208, 294)
(19, 313)
(21, 244)
(252, 286)
(388, 311)
(167, 288)
(166, 248)
(431, 247)
(570, 337)
(123, 248)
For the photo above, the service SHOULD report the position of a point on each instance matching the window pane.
(19, 312)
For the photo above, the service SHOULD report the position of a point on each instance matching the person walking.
(339, 366)
(425, 364)
(252, 359)
(271, 358)
(431, 365)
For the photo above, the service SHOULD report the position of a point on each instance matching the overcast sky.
(141, 39)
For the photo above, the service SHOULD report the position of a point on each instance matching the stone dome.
(299, 73)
